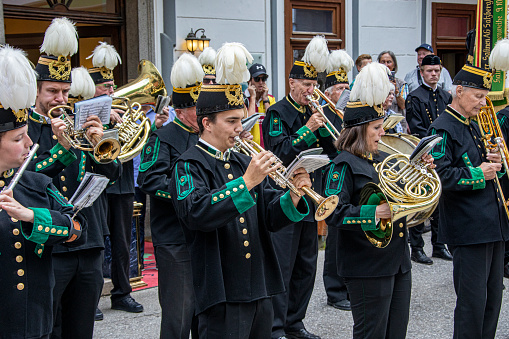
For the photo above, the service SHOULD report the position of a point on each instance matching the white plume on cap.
(371, 85)
(208, 56)
(17, 79)
(338, 59)
(186, 71)
(82, 83)
(317, 53)
(60, 38)
(105, 55)
(231, 63)
(499, 57)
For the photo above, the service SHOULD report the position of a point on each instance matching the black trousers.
(297, 251)
(176, 293)
(415, 234)
(250, 320)
(78, 285)
(334, 284)
(478, 271)
(141, 197)
(120, 215)
(380, 306)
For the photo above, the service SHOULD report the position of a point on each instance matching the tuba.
(493, 139)
(105, 150)
(324, 206)
(134, 130)
(409, 186)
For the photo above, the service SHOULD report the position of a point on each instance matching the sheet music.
(89, 190)
(311, 159)
(99, 106)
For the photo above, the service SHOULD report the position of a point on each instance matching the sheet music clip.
(161, 102)
(249, 122)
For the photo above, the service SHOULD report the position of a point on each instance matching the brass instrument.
(105, 150)
(493, 139)
(134, 130)
(22, 169)
(397, 143)
(314, 101)
(409, 186)
(325, 206)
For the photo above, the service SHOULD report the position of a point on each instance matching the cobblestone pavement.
(431, 313)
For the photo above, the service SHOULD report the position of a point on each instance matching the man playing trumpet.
(227, 209)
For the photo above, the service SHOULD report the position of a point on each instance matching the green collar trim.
(216, 154)
(295, 105)
(183, 126)
(37, 117)
(457, 115)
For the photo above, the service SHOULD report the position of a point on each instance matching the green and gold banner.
(491, 26)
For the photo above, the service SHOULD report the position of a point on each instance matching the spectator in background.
(388, 59)
(257, 98)
(386, 106)
(361, 61)
(414, 78)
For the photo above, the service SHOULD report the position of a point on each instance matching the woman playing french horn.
(378, 279)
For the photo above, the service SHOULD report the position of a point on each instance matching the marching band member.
(34, 215)
(165, 146)
(77, 270)
(475, 236)
(290, 127)
(340, 63)
(378, 279)
(120, 193)
(227, 209)
(207, 60)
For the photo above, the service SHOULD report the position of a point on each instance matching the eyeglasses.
(108, 86)
(209, 81)
(257, 79)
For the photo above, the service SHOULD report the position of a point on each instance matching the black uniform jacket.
(227, 227)
(471, 211)
(67, 168)
(159, 155)
(346, 176)
(423, 106)
(503, 121)
(27, 279)
(285, 134)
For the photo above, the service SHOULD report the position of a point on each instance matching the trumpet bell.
(325, 207)
(108, 148)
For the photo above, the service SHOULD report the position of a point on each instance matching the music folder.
(99, 106)
(311, 159)
(89, 190)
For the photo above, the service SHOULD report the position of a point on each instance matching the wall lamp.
(193, 42)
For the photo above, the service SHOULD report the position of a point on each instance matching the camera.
(392, 76)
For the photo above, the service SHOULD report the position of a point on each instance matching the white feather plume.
(317, 53)
(208, 56)
(338, 59)
(17, 79)
(82, 83)
(105, 55)
(371, 85)
(186, 71)
(60, 38)
(499, 57)
(231, 63)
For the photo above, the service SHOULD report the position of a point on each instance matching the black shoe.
(506, 270)
(442, 254)
(341, 305)
(301, 334)
(420, 257)
(127, 304)
(98, 315)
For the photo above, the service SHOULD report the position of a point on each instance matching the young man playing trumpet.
(227, 209)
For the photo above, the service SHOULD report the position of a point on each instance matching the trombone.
(105, 150)
(324, 206)
(317, 94)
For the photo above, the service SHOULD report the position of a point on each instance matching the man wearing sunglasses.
(257, 98)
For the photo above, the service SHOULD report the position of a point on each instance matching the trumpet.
(324, 206)
(317, 94)
(105, 150)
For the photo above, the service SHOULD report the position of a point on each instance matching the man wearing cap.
(258, 99)
(423, 106)
(290, 128)
(473, 220)
(165, 146)
(120, 193)
(414, 78)
(77, 270)
(227, 209)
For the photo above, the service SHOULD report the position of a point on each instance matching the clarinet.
(20, 171)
